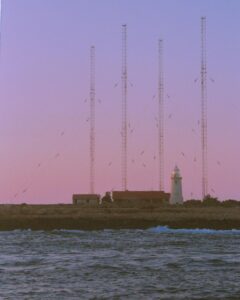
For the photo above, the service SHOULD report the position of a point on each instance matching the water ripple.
(159, 263)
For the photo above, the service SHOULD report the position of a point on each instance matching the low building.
(134, 198)
(86, 199)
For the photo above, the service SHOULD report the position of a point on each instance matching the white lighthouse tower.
(176, 193)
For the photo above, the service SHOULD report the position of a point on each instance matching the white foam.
(166, 229)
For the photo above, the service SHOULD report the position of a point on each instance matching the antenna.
(92, 119)
(1, 14)
(160, 115)
(204, 108)
(124, 107)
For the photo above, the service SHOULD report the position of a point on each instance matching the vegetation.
(211, 201)
(193, 214)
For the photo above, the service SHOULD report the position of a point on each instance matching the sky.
(44, 96)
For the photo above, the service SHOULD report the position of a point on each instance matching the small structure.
(176, 192)
(86, 199)
(107, 198)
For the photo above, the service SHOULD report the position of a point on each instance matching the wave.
(166, 229)
(68, 230)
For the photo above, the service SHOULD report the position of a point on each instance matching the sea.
(157, 263)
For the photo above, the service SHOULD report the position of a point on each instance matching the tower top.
(176, 168)
(176, 172)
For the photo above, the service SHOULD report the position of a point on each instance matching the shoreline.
(69, 217)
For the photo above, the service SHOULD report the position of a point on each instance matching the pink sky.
(44, 75)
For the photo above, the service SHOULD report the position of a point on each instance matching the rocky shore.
(50, 217)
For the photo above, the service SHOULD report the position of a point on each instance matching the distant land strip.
(77, 217)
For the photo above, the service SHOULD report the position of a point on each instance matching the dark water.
(120, 264)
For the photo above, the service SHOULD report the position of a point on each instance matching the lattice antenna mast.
(204, 108)
(1, 17)
(161, 115)
(0, 22)
(124, 132)
(92, 119)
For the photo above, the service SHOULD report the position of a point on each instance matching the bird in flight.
(56, 155)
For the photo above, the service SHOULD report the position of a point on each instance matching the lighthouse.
(176, 193)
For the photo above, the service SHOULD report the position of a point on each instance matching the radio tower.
(1, 14)
(161, 115)
(0, 21)
(204, 108)
(92, 119)
(124, 107)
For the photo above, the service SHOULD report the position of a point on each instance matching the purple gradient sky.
(44, 77)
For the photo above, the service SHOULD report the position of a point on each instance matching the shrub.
(231, 203)
(192, 202)
(210, 201)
